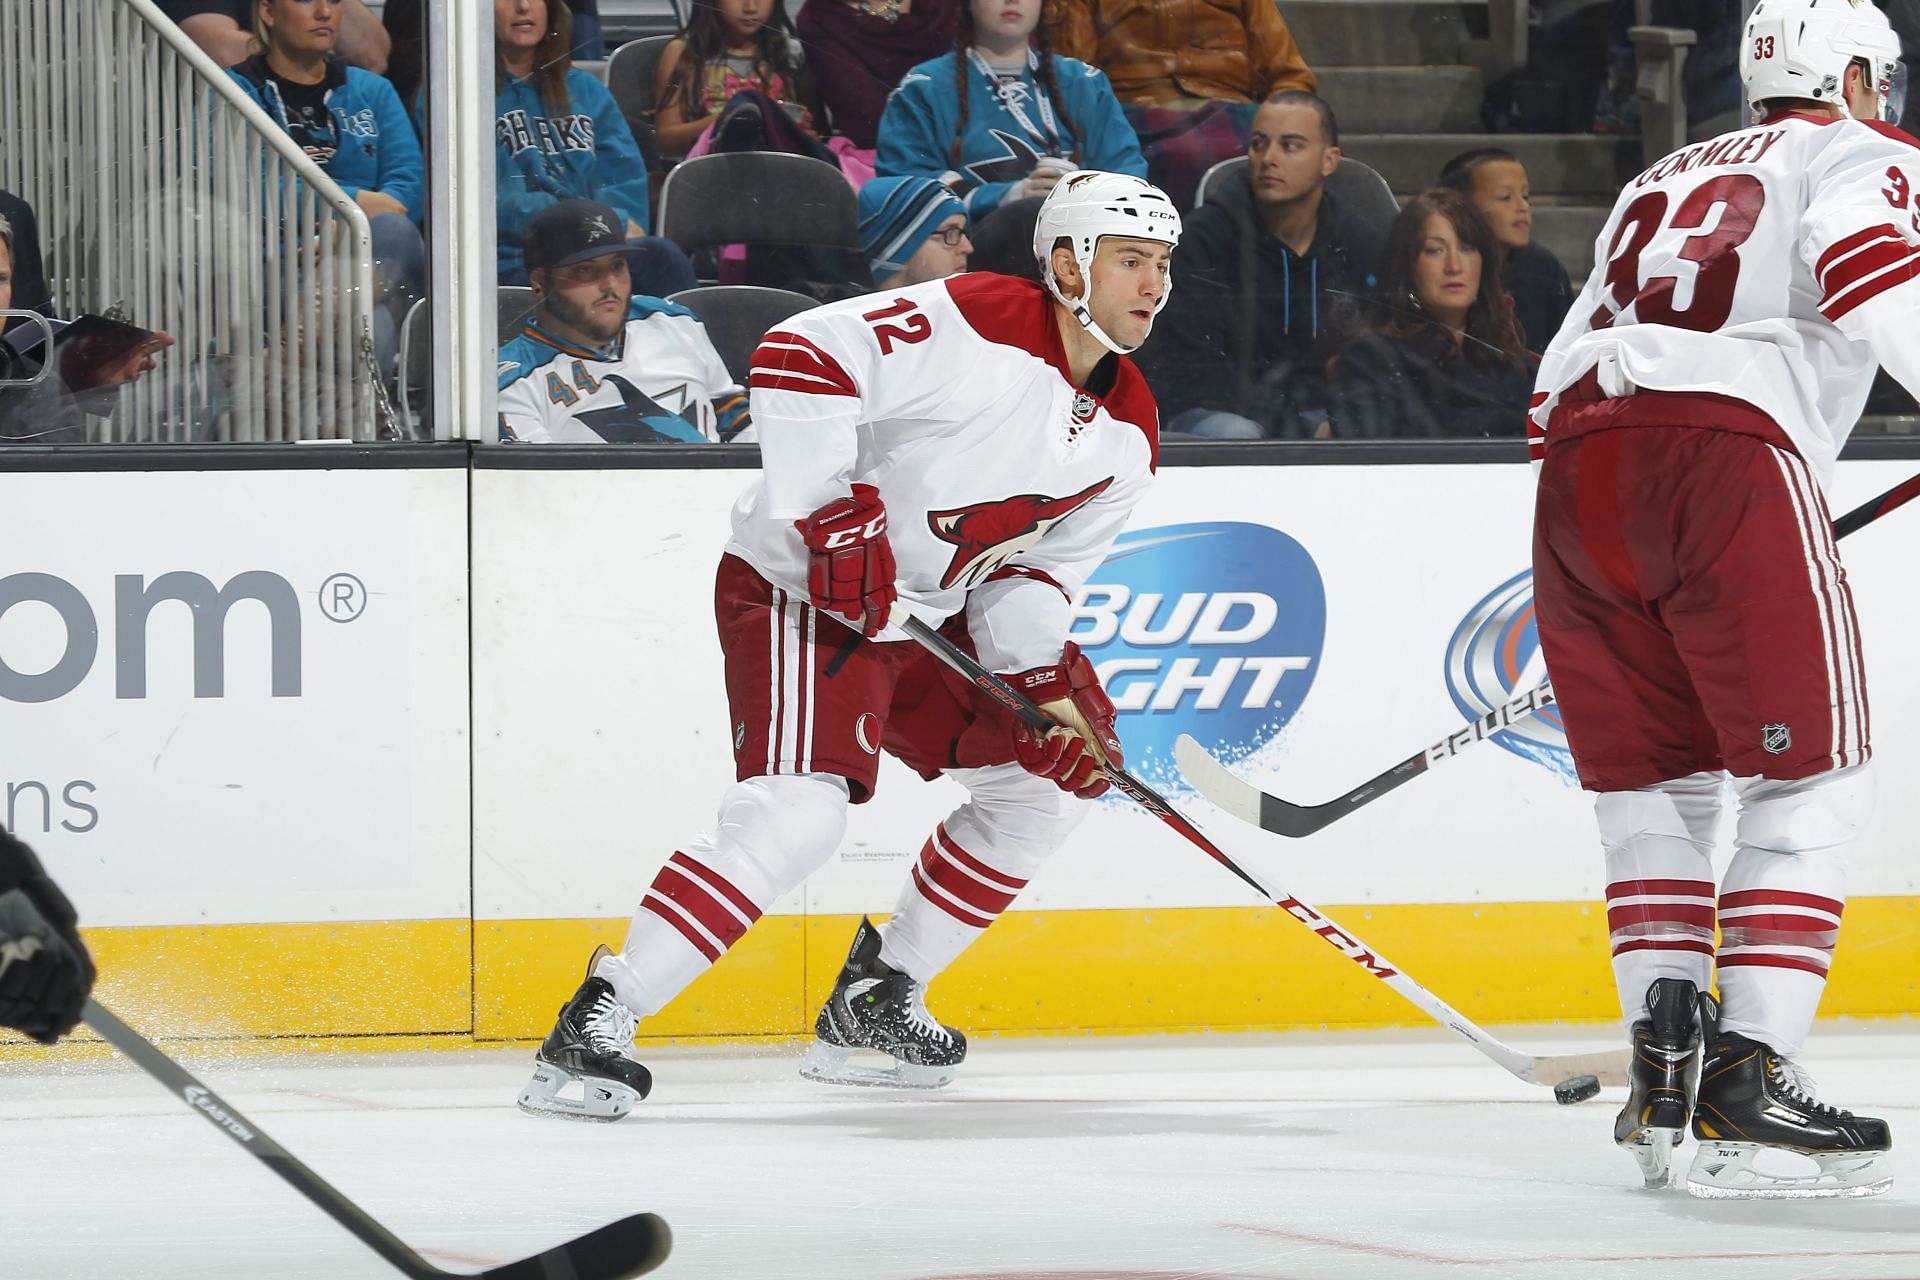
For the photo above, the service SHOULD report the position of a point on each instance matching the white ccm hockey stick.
(1575, 1077)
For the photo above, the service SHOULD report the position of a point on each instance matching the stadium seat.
(630, 76)
(1354, 184)
(758, 198)
(737, 316)
(512, 308)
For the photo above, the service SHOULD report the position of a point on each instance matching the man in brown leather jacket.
(1170, 52)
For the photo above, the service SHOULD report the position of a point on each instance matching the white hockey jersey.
(1004, 483)
(1772, 267)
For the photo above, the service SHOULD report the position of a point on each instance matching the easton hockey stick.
(1606, 1066)
(630, 1247)
(1284, 818)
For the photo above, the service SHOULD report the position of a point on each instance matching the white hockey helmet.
(1087, 204)
(1802, 49)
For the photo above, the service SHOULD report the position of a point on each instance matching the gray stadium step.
(1360, 33)
(1560, 164)
(1402, 99)
(1568, 231)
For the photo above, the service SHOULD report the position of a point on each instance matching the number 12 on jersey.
(902, 322)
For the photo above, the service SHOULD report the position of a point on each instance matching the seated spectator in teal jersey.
(351, 123)
(559, 135)
(224, 30)
(912, 230)
(999, 118)
(598, 365)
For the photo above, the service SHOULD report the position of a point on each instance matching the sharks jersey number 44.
(1005, 484)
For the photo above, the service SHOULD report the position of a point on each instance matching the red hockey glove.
(1075, 754)
(851, 569)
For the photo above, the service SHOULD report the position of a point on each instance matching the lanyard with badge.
(1050, 140)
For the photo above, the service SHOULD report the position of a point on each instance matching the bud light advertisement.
(1493, 657)
(1213, 629)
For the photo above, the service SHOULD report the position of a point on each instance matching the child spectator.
(350, 123)
(1496, 182)
(1438, 356)
(913, 230)
(998, 119)
(1271, 269)
(596, 364)
(224, 30)
(1184, 52)
(728, 46)
(559, 135)
(859, 50)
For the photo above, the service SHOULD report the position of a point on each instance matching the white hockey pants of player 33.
(775, 831)
(1778, 907)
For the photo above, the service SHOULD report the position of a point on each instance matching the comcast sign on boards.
(78, 645)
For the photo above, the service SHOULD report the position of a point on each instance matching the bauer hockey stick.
(1606, 1067)
(630, 1247)
(1284, 818)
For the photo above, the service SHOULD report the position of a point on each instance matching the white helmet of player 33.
(1802, 49)
(1087, 204)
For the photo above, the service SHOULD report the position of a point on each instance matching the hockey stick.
(630, 1247)
(1607, 1066)
(1283, 818)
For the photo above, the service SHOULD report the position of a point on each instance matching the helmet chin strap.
(1080, 309)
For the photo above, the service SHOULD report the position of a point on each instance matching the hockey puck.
(1578, 1089)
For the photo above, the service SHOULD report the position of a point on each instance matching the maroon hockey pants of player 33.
(1695, 619)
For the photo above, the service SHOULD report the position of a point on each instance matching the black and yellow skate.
(1660, 1079)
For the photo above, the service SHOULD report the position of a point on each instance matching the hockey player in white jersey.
(1692, 608)
(965, 450)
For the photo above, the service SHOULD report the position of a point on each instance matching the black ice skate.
(1754, 1101)
(588, 1046)
(877, 1007)
(1660, 1079)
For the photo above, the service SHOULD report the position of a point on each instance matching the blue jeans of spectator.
(399, 277)
(1216, 424)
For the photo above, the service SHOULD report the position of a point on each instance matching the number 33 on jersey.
(1771, 265)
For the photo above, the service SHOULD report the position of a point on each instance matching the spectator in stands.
(726, 47)
(86, 379)
(1271, 270)
(859, 50)
(597, 364)
(29, 278)
(1438, 356)
(1535, 281)
(1162, 52)
(559, 135)
(913, 230)
(998, 119)
(350, 123)
(224, 29)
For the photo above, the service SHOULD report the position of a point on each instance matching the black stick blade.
(630, 1247)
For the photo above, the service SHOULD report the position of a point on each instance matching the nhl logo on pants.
(1776, 738)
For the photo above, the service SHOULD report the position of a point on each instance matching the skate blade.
(1652, 1150)
(1725, 1171)
(551, 1092)
(832, 1064)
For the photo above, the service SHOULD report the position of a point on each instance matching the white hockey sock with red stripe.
(1782, 900)
(773, 833)
(974, 865)
(1660, 901)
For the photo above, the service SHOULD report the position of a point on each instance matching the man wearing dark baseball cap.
(598, 363)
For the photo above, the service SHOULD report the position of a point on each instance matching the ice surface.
(1179, 1158)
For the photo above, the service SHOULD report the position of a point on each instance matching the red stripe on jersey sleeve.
(790, 362)
(1852, 244)
(1866, 290)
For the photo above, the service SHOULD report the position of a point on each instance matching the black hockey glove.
(45, 971)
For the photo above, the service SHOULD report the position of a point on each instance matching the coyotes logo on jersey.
(988, 534)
